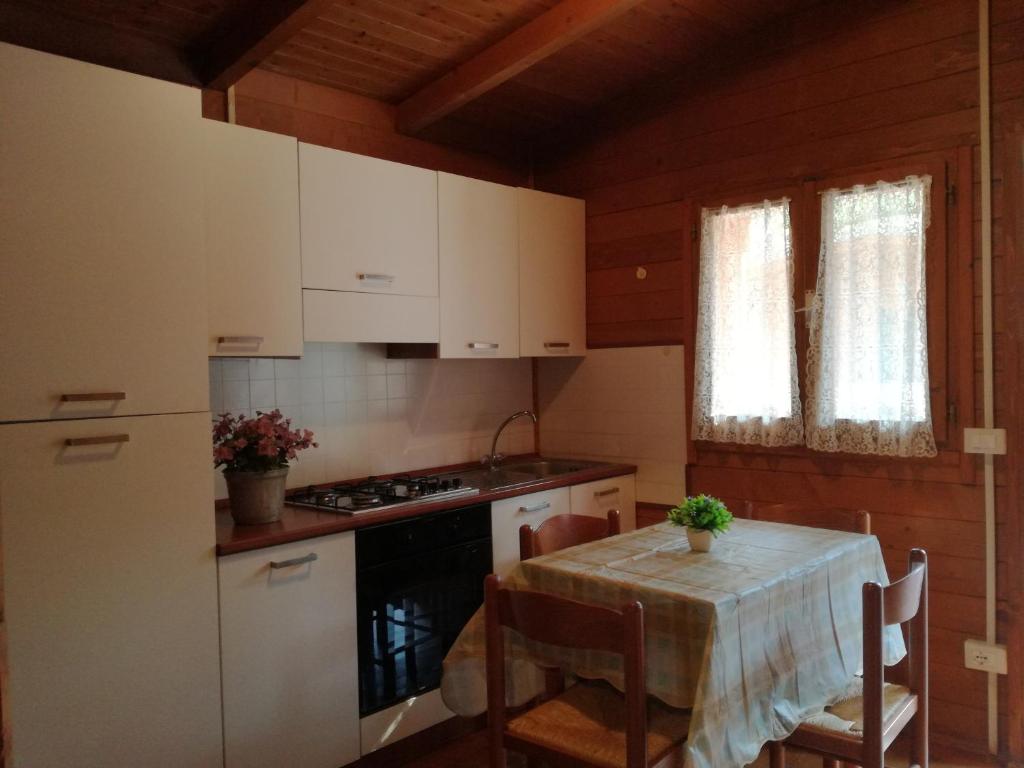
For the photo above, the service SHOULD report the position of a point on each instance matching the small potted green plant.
(704, 517)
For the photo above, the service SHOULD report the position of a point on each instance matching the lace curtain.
(746, 374)
(867, 363)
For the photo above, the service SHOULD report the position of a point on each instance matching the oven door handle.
(310, 558)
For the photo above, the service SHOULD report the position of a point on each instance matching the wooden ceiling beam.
(536, 40)
(243, 41)
(46, 30)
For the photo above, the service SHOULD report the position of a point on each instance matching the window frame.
(949, 304)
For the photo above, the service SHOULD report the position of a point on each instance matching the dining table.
(752, 637)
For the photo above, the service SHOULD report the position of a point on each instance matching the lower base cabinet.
(289, 667)
(600, 496)
(508, 515)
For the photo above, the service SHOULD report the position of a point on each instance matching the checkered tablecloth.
(753, 636)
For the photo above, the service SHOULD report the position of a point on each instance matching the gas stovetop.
(373, 494)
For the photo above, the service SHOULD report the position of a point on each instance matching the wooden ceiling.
(526, 69)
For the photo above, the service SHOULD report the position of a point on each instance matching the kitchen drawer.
(368, 317)
(596, 498)
(289, 655)
(508, 515)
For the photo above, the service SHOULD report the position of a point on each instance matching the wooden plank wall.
(863, 83)
(318, 114)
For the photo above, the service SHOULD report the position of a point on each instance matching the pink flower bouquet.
(257, 445)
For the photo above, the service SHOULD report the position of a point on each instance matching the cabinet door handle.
(482, 345)
(310, 558)
(99, 440)
(376, 277)
(84, 397)
(556, 345)
(606, 492)
(536, 507)
(257, 340)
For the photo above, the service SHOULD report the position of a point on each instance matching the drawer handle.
(376, 278)
(482, 345)
(310, 558)
(257, 340)
(606, 492)
(100, 440)
(556, 345)
(536, 507)
(85, 397)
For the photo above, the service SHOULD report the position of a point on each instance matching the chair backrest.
(834, 519)
(902, 602)
(566, 623)
(562, 531)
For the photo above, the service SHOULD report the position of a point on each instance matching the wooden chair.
(851, 520)
(879, 710)
(590, 724)
(562, 531)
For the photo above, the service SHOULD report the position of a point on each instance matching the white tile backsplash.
(372, 415)
(625, 404)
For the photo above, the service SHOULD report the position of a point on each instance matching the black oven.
(419, 581)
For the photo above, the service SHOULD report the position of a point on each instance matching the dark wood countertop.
(298, 523)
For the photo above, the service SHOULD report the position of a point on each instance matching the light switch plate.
(986, 657)
(985, 441)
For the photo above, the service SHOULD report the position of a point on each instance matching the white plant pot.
(700, 541)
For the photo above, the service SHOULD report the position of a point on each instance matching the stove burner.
(375, 494)
(363, 500)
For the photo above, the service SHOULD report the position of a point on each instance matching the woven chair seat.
(588, 721)
(847, 714)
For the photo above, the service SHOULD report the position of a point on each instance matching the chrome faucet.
(494, 457)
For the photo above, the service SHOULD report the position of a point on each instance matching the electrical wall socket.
(985, 441)
(986, 657)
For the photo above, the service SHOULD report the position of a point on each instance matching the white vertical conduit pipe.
(987, 372)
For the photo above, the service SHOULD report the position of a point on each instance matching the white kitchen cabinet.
(104, 283)
(597, 497)
(110, 590)
(479, 263)
(288, 644)
(508, 515)
(367, 317)
(368, 225)
(252, 242)
(552, 275)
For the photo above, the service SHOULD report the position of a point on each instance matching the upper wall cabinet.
(103, 296)
(369, 226)
(252, 242)
(552, 275)
(479, 261)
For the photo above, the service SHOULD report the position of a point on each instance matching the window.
(893, 302)
(746, 371)
(868, 352)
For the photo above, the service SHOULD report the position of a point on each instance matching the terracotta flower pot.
(256, 497)
(700, 541)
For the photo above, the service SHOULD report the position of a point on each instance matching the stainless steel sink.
(520, 473)
(545, 467)
(494, 480)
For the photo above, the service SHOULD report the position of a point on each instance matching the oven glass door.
(410, 613)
